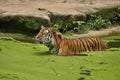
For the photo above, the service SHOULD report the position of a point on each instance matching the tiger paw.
(53, 51)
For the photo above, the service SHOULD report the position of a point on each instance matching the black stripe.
(83, 43)
(98, 45)
(94, 44)
(78, 45)
(74, 46)
(88, 44)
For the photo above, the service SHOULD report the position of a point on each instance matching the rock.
(48, 10)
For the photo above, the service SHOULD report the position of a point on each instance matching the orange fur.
(64, 46)
(75, 46)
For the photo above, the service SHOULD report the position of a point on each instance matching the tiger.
(63, 46)
(45, 37)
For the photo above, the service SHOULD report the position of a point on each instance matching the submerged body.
(64, 46)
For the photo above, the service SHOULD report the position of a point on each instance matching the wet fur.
(67, 46)
(64, 46)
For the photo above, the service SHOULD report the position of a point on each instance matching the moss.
(27, 61)
(114, 38)
(19, 24)
(7, 38)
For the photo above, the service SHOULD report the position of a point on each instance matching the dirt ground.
(101, 33)
(56, 7)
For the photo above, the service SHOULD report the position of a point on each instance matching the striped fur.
(65, 46)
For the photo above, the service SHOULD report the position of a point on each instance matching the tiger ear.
(54, 31)
(42, 26)
(60, 36)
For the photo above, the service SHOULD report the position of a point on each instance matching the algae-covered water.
(29, 61)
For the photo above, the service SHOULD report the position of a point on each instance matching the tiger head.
(45, 35)
(48, 36)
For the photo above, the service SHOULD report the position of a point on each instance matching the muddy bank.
(51, 10)
(102, 33)
(26, 16)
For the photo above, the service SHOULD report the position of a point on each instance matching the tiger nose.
(37, 38)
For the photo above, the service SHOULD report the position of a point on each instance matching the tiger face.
(44, 35)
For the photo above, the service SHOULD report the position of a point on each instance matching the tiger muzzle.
(38, 39)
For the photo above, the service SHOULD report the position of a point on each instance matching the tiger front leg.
(50, 48)
(54, 50)
(64, 51)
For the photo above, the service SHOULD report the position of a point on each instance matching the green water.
(28, 61)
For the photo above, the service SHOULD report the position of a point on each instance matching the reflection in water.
(111, 44)
(114, 44)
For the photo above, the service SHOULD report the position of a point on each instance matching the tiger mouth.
(38, 40)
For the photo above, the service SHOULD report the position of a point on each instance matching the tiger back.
(76, 46)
